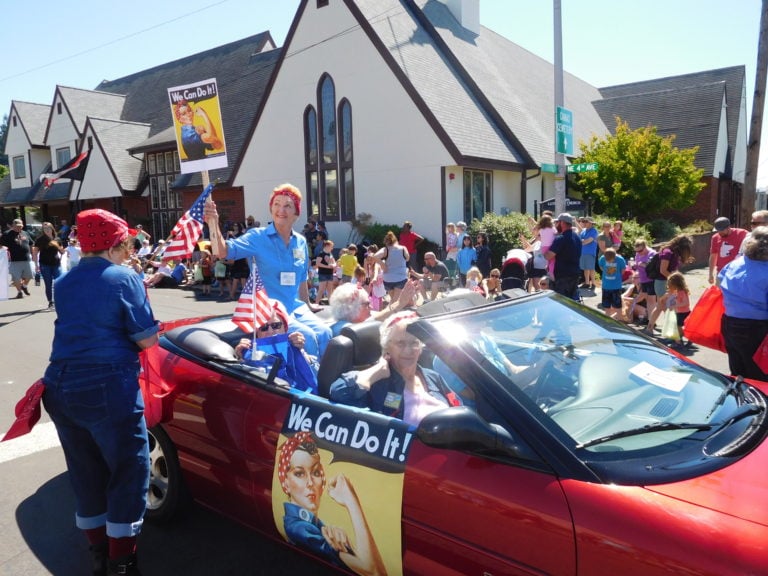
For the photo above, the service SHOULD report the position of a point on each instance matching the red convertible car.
(581, 448)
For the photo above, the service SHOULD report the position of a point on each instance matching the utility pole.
(749, 193)
(559, 104)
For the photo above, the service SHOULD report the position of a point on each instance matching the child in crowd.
(612, 266)
(358, 277)
(475, 280)
(465, 258)
(206, 267)
(348, 263)
(451, 249)
(325, 265)
(545, 231)
(677, 298)
(220, 273)
(617, 233)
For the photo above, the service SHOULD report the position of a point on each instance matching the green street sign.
(586, 167)
(564, 124)
(549, 168)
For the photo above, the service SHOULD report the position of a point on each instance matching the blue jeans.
(49, 274)
(98, 411)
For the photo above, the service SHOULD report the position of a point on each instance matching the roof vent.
(467, 12)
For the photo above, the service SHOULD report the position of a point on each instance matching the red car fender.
(635, 531)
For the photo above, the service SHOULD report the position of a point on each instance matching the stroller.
(514, 270)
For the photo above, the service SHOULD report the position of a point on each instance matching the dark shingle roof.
(733, 76)
(518, 84)
(691, 113)
(115, 138)
(417, 53)
(33, 118)
(82, 103)
(241, 71)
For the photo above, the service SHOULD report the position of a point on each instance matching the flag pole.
(213, 231)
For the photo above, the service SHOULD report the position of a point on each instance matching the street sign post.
(564, 124)
(551, 168)
(586, 167)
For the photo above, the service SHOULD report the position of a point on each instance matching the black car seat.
(358, 346)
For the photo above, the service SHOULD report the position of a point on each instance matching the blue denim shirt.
(282, 268)
(102, 311)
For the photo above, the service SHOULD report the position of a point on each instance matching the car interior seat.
(358, 346)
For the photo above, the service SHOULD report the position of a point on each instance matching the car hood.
(740, 489)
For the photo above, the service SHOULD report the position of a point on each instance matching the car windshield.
(604, 385)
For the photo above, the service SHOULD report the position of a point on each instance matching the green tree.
(641, 174)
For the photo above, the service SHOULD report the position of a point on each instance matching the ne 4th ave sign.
(588, 167)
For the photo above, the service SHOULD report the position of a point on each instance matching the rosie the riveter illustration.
(302, 477)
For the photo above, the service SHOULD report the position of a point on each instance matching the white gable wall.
(61, 131)
(397, 156)
(742, 134)
(721, 152)
(17, 144)
(99, 181)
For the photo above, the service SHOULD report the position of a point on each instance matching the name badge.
(288, 278)
(393, 400)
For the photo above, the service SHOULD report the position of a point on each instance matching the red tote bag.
(703, 323)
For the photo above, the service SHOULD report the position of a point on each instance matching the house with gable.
(401, 109)
(407, 109)
(705, 109)
(133, 167)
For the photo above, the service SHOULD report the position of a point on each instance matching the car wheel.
(167, 494)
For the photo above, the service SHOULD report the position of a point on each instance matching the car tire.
(167, 495)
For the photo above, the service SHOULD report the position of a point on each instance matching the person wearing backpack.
(672, 256)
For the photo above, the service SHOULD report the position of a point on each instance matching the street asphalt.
(36, 503)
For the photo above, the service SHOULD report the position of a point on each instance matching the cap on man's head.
(589, 219)
(565, 217)
(461, 224)
(18, 222)
(429, 255)
(721, 224)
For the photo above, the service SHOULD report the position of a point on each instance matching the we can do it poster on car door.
(337, 487)
(197, 123)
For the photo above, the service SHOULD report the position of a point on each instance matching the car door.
(465, 514)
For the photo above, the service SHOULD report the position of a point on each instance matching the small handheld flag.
(188, 229)
(253, 308)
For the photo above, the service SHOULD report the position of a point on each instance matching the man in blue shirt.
(566, 252)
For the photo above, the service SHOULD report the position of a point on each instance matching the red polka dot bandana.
(301, 440)
(100, 230)
(290, 193)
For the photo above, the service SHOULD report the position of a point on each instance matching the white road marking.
(42, 437)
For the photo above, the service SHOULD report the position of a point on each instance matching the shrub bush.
(663, 230)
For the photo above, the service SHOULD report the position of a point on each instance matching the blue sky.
(605, 42)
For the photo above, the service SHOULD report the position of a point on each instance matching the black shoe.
(125, 566)
(19, 295)
(100, 558)
(25, 290)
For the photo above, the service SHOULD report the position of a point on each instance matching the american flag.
(253, 308)
(188, 229)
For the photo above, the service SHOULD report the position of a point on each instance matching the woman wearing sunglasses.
(272, 340)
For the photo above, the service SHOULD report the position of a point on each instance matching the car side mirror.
(461, 428)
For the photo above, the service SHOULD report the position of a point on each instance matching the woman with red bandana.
(92, 391)
(302, 478)
(281, 255)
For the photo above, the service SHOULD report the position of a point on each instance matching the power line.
(115, 41)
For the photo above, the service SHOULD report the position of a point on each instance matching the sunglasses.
(757, 223)
(495, 275)
(273, 325)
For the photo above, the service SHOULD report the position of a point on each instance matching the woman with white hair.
(396, 385)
